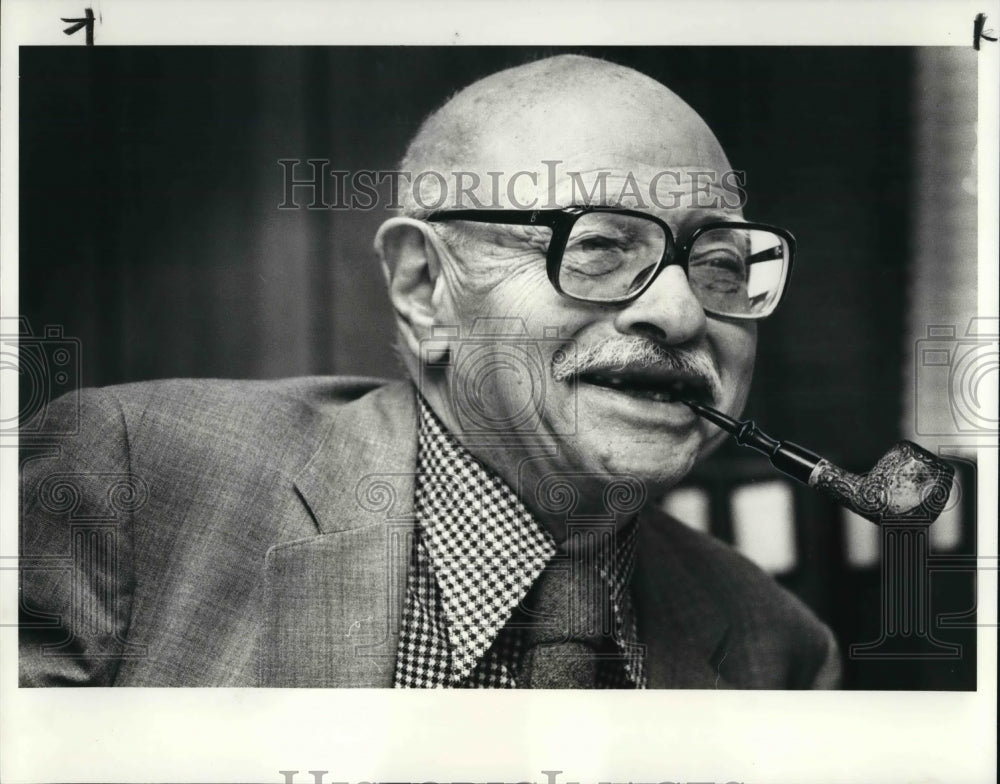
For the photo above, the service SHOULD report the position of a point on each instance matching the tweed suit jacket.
(231, 533)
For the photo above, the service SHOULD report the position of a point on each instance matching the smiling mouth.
(645, 387)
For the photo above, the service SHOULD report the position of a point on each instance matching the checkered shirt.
(476, 554)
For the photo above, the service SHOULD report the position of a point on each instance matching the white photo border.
(229, 735)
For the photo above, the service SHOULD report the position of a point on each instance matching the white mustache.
(616, 354)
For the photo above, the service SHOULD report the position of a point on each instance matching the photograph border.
(223, 735)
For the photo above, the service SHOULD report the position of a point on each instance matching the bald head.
(586, 113)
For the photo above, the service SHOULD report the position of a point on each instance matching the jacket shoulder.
(241, 422)
(212, 467)
(245, 404)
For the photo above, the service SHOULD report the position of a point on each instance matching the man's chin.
(659, 461)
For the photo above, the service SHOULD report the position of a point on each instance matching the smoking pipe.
(907, 483)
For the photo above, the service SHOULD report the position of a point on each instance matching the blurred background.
(150, 233)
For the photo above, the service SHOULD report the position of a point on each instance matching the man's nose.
(667, 312)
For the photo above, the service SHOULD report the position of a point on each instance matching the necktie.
(571, 626)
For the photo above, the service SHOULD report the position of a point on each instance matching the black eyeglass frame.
(562, 220)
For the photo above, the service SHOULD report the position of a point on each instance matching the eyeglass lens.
(732, 271)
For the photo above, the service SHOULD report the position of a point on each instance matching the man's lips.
(670, 387)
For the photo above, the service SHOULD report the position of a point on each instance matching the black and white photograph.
(462, 382)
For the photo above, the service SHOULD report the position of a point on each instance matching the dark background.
(149, 230)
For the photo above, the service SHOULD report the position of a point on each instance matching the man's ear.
(412, 269)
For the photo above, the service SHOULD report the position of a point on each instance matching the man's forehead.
(557, 108)
(601, 132)
(579, 131)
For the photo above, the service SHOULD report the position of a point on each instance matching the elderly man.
(492, 522)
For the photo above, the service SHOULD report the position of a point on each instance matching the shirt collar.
(486, 548)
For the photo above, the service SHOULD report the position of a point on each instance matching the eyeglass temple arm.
(765, 255)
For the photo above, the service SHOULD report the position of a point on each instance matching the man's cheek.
(737, 349)
(490, 275)
(749, 358)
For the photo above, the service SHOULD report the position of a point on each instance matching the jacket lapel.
(333, 602)
(683, 628)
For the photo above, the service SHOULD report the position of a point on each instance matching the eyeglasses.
(611, 256)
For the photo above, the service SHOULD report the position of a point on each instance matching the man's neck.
(534, 468)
